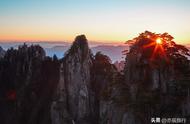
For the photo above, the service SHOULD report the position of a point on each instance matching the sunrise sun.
(158, 41)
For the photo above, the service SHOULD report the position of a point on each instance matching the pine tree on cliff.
(160, 49)
(157, 73)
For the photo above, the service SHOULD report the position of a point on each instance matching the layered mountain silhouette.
(86, 88)
(59, 48)
(114, 52)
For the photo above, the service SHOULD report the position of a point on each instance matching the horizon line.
(69, 41)
(61, 41)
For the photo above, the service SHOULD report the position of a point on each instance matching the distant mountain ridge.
(59, 48)
(114, 52)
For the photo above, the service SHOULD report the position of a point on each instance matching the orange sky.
(105, 21)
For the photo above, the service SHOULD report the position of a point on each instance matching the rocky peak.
(74, 86)
(81, 40)
(79, 48)
(32, 51)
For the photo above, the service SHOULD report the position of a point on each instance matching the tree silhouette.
(163, 55)
(167, 50)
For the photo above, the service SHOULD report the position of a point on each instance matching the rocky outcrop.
(27, 82)
(150, 87)
(74, 93)
(154, 83)
(103, 77)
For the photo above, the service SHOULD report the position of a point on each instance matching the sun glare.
(158, 41)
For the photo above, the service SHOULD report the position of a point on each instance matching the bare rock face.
(77, 67)
(74, 85)
(140, 73)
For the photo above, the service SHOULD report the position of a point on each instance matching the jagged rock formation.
(103, 75)
(75, 95)
(156, 86)
(150, 87)
(27, 81)
(82, 88)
